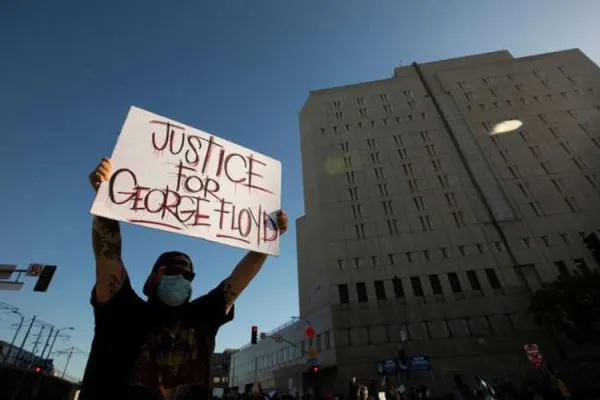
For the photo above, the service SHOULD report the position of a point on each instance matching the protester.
(159, 348)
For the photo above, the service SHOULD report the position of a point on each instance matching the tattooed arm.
(241, 276)
(248, 267)
(110, 272)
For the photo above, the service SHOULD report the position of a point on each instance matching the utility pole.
(71, 350)
(37, 340)
(12, 342)
(47, 343)
(24, 341)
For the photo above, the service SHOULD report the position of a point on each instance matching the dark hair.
(163, 259)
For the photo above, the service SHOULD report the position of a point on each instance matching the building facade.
(424, 230)
(220, 369)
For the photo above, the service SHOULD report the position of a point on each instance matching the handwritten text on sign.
(179, 179)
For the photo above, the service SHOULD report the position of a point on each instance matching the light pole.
(12, 342)
(24, 341)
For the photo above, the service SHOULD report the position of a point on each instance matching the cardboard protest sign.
(170, 176)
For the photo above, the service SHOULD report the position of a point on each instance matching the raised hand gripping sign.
(170, 176)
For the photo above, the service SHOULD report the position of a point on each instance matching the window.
(378, 173)
(436, 286)
(514, 170)
(419, 203)
(361, 292)
(425, 222)
(383, 97)
(380, 290)
(566, 147)
(362, 112)
(408, 171)
(411, 104)
(492, 278)
(437, 165)
(336, 104)
(547, 167)
(444, 252)
(356, 262)
(535, 150)
(572, 204)
(348, 161)
(454, 282)
(398, 288)
(350, 178)
(463, 250)
(353, 193)
(383, 190)
(388, 108)
(562, 268)
(499, 246)
(443, 180)
(474, 281)
(357, 211)
(345, 147)
(592, 180)
(375, 158)
(581, 265)
(526, 243)
(360, 101)
(343, 293)
(413, 185)
(524, 188)
(458, 218)
(417, 287)
(340, 264)
(480, 248)
(359, 230)
(558, 184)
(450, 199)
(387, 207)
(398, 140)
(408, 94)
(536, 208)
(409, 258)
(339, 115)
(391, 259)
(431, 150)
(426, 255)
(375, 261)
(425, 136)
(393, 227)
(326, 340)
(580, 163)
(529, 276)
(372, 144)
(564, 237)
(402, 154)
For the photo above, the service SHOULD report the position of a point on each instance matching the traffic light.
(592, 242)
(37, 369)
(254, 335)
(45, 277)
(315, 369)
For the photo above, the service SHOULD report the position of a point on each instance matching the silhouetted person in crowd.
(160, 348)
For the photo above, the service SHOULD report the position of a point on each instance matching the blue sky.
(239, 69)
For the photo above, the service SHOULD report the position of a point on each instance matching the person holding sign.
(160, 348)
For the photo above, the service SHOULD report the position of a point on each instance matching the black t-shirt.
(134, 357)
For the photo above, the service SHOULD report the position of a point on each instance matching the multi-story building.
(220, 369)
(427, 227)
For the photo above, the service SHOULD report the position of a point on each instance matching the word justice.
(245, 225)
(197, 150)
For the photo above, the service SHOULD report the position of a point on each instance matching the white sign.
(170, 176)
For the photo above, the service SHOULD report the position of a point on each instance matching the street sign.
(534, 355)
(34, 269)
(312, 351)
(419, 364)
(312, 361)
(389, 366)
(6, 271)
(263, 336)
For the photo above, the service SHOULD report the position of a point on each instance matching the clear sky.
(69, 70)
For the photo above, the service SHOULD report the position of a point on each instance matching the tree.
(571, 305)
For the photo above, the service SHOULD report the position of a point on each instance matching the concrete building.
(220, 369)
(422, 223)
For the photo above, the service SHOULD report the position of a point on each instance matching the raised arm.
(106, 241)
(247, 268)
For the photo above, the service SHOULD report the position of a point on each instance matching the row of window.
(373, 143)
(383, 97)
(416, 283)
(321, 342)
(446, 252)
(495, 105)
(373, 123)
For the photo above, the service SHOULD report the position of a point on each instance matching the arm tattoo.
(106, 239)
(230, 295)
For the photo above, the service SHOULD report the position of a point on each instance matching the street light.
(12, 342)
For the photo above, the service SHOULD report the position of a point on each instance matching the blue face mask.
(174, 290)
